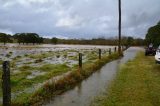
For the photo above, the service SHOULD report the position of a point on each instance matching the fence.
(6, 86)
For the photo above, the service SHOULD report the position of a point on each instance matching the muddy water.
(84, 93)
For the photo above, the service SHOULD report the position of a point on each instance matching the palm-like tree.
(119, 26)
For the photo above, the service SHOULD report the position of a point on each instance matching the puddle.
(84, 93)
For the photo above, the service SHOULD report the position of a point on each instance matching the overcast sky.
(78, 18)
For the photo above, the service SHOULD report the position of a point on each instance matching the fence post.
(80, 60)
(6, 87)
(100, 53)
(109, 51)
(115, 49)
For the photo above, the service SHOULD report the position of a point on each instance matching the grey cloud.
(78, 18)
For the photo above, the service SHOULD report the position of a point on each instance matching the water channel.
(85, 92)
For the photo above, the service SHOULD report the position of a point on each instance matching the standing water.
(85, 92)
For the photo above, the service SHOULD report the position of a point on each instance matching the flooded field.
(31, 65)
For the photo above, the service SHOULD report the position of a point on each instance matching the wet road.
(84, 93)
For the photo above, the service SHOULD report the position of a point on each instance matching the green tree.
(130, 41)
(158, 23)
(40, 40)
(32, 37)
(5, 38)
(28, 38)
(54, 40)
(153, 35)
(20, 37)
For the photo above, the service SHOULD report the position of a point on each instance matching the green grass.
(41, 55)
(25, 68)
(137, 84)
(54, 70)
(19, 81)
(67, 82)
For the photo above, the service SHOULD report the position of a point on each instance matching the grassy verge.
(137, 84)
(52, 89)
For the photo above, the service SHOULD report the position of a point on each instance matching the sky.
(78, 18)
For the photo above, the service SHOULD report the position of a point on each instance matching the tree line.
(5, 38)
(27, 38)
(24, 38)
(126, 41)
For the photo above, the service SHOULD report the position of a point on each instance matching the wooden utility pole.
(119, 26)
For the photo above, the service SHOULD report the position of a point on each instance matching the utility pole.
(119, 27)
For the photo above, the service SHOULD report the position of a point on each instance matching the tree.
(40, 40)
(28, 38)
(158, 23)
(32, 37)
(20, 37)
(153, 35)
(54, 40)
(127, 41)
(5, 38)
(130, 41)
(138, 42)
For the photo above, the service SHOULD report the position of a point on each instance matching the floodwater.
(10, 52)
(15, 45)
(19, 56)
(84, 93)
(14, 50)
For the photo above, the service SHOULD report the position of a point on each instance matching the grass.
(51, 69)
(137, 84)
(41, 55)
(67, 82)
(19, 81)
(54, 70)
(25, 68)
